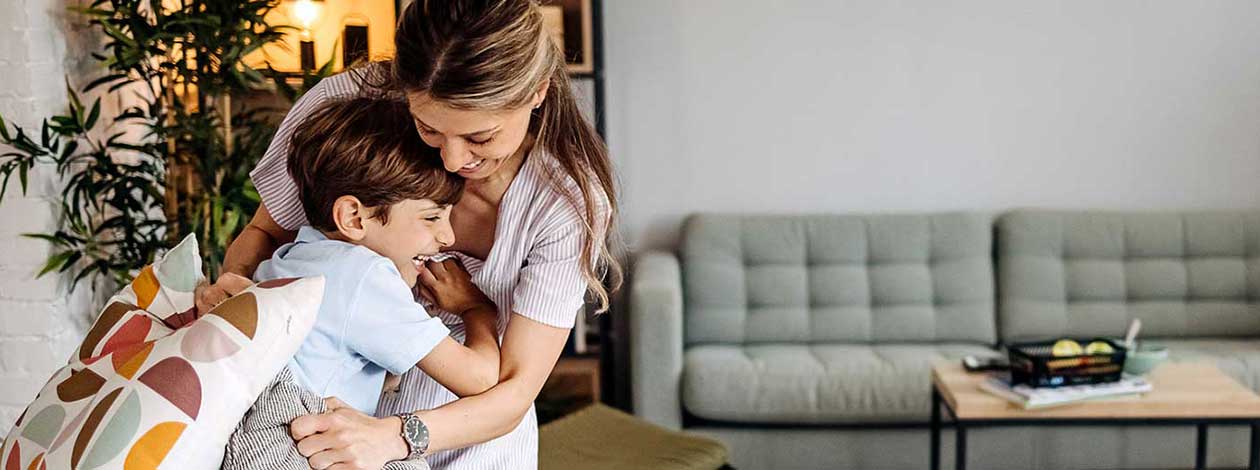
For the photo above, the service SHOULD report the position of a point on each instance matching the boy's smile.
(417, 230)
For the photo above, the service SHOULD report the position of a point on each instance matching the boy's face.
(417, 229)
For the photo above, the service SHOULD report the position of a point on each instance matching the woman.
(487, 86)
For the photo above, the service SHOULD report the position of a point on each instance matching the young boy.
(378, 202)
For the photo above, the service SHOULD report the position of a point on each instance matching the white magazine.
(1029, 397)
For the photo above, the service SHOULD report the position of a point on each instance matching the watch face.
(413, 429)
(416, 433)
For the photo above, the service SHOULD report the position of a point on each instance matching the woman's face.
(475, 144)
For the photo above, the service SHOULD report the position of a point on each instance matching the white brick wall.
(40, 322)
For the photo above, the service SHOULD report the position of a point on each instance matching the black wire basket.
(1036, 365)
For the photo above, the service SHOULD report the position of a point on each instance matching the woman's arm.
(529, 352)
(256, 243)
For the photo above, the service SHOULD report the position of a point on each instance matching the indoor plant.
(175, 158)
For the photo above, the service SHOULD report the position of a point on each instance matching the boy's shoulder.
(314, 254)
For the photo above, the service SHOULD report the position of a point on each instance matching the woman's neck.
(492, 188)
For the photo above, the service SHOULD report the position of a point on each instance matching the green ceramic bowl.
(1144, 358)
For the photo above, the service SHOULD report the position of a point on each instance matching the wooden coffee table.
(1190, 394)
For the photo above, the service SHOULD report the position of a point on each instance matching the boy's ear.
(349, 214)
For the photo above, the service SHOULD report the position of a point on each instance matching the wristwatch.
(415, 434)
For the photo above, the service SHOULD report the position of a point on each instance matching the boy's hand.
(207, 296)
(448, 285)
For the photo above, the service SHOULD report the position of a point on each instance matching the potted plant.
(175, 159)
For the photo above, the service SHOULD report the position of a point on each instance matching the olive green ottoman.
(605, 438)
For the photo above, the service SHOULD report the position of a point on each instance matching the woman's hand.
(448, 285)
(344, 438)
(210, 295)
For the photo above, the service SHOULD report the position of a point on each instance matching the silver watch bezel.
(415, 434)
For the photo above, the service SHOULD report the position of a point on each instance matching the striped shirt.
(533, 269)
(262, 440)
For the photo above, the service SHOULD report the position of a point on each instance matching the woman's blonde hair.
(494, 55)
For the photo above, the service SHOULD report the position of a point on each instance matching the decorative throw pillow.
(140, 394)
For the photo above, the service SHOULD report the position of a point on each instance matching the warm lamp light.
(306, 12)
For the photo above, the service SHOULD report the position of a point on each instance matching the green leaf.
(4, 187)
(327, 68)
(55, 262)
(69, 238)
(229, 226)
(22, 175)
(117, 34)
(132, 113)
(93, 115)
(68, 152)
(123, 146)
(104, 80)
(75, 104)
(4, 130)
(70, 261)
(53, 239)
(251, 193)
(84, 274)
(96, 12)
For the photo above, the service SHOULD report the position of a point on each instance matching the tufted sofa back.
(1089, 273)
(842, 278)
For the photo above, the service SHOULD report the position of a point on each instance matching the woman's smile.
(471, 167)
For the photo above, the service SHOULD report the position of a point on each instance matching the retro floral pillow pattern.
(150, 387)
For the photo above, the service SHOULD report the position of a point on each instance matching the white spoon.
(1129, 337)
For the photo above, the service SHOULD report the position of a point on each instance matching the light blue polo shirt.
(368, 323)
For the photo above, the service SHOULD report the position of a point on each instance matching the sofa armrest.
(656, 338)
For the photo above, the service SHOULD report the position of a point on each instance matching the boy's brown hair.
(367, 148)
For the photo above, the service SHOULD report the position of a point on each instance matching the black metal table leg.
(960, 447)
(1200, 448)
(1254, 462)
(935, 442)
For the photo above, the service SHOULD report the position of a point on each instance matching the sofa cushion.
(910, 278)
(818, 383)
(1090, 273)
(1238, 358)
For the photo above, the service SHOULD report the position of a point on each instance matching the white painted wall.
(816, 106)
(40, 324)
(879, 105)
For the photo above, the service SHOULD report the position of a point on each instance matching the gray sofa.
(806, 341)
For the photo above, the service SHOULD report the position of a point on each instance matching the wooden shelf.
(576, 27)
